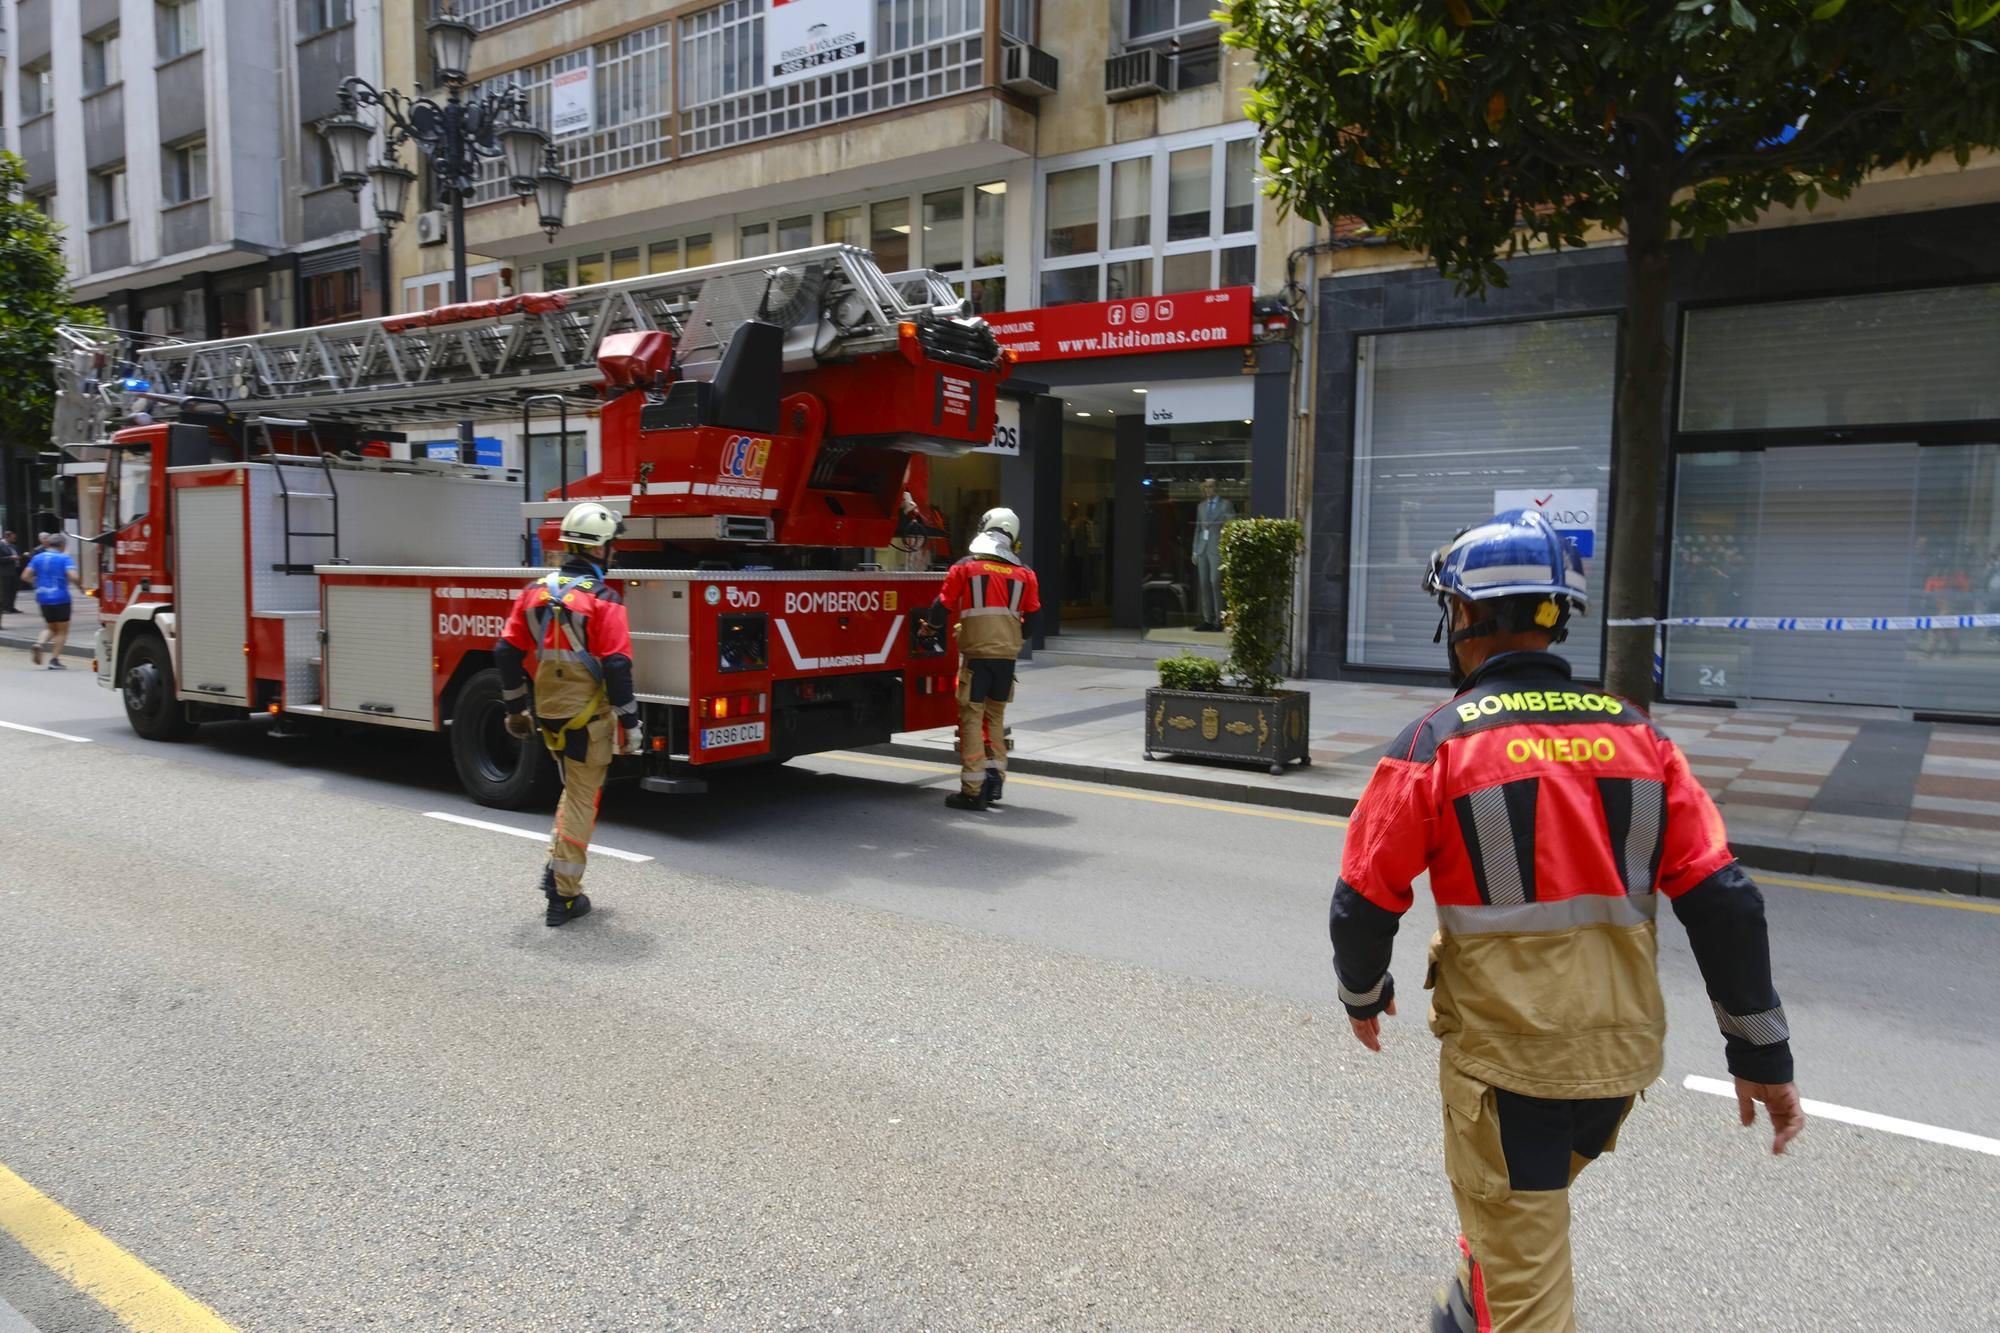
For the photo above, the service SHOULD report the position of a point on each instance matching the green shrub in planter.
(1258, 558)
(1189, 672)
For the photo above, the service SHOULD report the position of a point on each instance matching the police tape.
(1983, 620)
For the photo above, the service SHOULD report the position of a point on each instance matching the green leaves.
(34, 299)
(1258, 558)
(1189, 672)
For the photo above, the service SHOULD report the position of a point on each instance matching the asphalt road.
(838, 1057)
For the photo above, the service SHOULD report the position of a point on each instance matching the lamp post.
(456, 134)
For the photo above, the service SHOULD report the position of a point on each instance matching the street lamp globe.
(451, 40)
(348, 136)
(392, 181)
(552, 187)
(526, 147)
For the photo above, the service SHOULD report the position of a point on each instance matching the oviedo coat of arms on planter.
(1194, 713)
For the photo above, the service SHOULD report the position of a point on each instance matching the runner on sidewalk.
(51, 573)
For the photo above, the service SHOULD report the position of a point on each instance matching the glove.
(631, 738)
(520, 726)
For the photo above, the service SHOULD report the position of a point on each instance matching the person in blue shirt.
(51, 573)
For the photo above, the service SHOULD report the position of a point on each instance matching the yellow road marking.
(1094, 789)
(142, 1300)
(1890, 895)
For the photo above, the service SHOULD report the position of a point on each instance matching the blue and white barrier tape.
(1983, 620)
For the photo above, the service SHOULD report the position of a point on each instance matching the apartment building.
(1081, 171)
(173, 139)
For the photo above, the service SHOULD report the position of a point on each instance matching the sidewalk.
(1805, 789)
(22, 627)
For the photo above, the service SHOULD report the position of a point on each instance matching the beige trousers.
(576, 814)
(982, 735)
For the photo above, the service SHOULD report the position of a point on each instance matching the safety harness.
(555, 605)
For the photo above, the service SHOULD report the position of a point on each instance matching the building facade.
(1834, 436)
(1081, 173)
(174, 141)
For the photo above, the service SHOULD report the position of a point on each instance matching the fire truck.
(765, 428)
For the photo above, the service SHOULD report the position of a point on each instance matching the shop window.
(1197, 479)
(1129, 277)
(1131, 203)
(847, 226)
(889, 234)
(989, 224)
(1071, 198)
(625, 263)
(1069, 286)
(1451, 423)
(944, 230)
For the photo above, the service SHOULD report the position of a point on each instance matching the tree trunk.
(1639, 453)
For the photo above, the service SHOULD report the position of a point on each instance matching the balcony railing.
(697, 84)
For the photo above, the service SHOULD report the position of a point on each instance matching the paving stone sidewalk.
(20, 628)
(1847, 793)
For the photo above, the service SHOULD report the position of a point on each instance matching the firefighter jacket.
(1552, 820)
(575, 626)
(993, 598)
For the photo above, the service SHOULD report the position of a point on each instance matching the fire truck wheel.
(496, 769)
(152, 705)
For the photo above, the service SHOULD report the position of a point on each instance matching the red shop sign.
(1185, 321)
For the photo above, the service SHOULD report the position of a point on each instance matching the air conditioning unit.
(431, 228)
(1143, 73)
(1027, 69)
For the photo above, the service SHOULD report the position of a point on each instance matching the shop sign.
(487, 449)
(808, 38)
(1006, 430)
(1572, 512)
(1174, 402)
(573, 100)
(1183, 322)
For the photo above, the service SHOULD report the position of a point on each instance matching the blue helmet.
(1513, 554)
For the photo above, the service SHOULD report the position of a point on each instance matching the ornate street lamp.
(457, 134)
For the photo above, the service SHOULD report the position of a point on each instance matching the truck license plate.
(716, 738)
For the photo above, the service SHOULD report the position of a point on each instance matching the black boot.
(563, 910)
(958, 800)
(990, 792)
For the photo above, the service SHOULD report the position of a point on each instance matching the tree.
(34, 299)
(1470, 130)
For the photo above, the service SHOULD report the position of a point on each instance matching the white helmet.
(999, 532)
(590, 524)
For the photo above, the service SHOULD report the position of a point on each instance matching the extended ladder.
(478, 358)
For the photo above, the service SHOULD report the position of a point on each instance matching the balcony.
(1028, 69)
(1142, 73)
(110, 247)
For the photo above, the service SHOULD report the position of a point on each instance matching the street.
(836, 1057)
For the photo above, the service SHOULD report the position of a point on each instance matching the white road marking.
(1888, 1124)
(58, 735)
(595, 850)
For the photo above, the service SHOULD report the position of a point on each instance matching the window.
(795, 233)
(1130, 277)
(546, 462)
(700, 250)
(316, 16)
(754, 240)
(333, 297)
(178, 26)
(844, 226)
(1017, 20)
(1239, 267)
(316, 160)
(589, 270)
(619, 119)
(1164, 18)
(944, 230)
(44, 203)
(1239, 187)
(663, 257)
(1069, 286)
(1188, 193)
(1072, 204)
(625, 263)
(184, 173)
(889, 234)
(555, 274)
(107, 197)
(135, 481)
(101, 67)
(37, 91)
(989, 224)
(1186, 273)
(722, 51)
(1131, 203)
(989, 295)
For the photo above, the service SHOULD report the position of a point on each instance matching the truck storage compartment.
(213, 622)
(378, 652)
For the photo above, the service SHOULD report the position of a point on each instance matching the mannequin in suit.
(1210, 513)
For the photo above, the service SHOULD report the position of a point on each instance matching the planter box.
(1229, 726)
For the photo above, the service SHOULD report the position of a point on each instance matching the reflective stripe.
(1590, 909)
(517, 692)
(1497, 857)
(1642, 836)
(1018, 591)
(566, 867)
(971, 611)
(1360, 999)
(1758, 1029)
(566, 655)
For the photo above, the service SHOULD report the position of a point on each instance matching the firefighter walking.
(580, 700)
(1552, 819)
(993, 593)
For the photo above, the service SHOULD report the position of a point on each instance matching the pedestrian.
(51, 573)
(1550, 818)
(10, 571)
(580, 700)
(994, 592)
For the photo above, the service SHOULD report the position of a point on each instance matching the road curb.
(1176, 778)
(9, 639)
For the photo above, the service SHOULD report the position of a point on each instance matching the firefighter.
(574, 624)
(1552, 819)
(993, 593)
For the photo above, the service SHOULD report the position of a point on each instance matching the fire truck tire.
(497, 770)
(146, 681)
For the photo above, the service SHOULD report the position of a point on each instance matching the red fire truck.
(764, 431)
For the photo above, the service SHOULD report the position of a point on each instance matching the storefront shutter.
(1444, 420)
